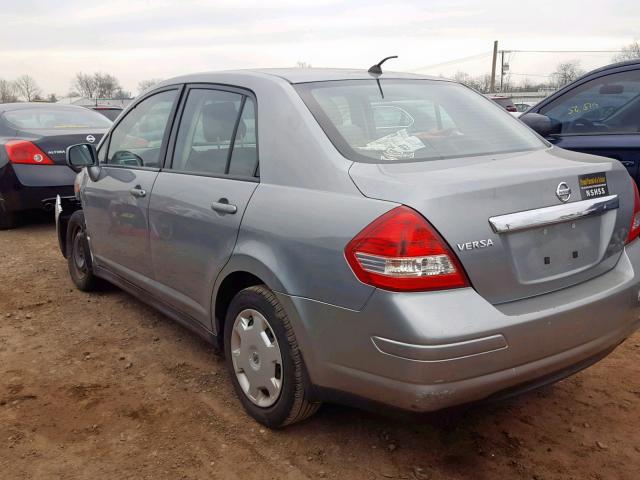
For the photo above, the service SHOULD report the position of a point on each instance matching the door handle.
(138, 192)
(223, 206)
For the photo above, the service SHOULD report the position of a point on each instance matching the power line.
(561, 51)
(486, 54)
(453, 62)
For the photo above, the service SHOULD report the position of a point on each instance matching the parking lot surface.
(102, 386)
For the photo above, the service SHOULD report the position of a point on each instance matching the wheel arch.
(241, 271)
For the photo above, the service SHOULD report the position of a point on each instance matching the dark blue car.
(598, 113)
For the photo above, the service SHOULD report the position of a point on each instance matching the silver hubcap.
(256, 358)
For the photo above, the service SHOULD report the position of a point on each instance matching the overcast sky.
(137, 40)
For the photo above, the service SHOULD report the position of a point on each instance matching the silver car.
(383, 239)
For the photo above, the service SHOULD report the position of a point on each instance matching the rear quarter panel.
(294, 240)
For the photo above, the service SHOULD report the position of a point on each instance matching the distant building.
(93, 102)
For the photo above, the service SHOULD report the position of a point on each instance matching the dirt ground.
(102, 387)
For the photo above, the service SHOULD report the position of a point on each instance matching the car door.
(198, 202)
(116, 204)
(600, 116)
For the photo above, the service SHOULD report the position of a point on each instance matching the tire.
(7, 220)
(78, 254)
(247, 359)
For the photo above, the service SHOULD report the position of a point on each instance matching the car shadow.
(33, 218)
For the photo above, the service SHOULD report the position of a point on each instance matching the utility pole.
(492, 89)
(501, 70)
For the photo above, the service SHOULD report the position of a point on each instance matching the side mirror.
(541, 124)
(80, 156)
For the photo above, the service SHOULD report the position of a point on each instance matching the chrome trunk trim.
(540, 217)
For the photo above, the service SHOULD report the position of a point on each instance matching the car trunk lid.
(55, 142)
(471, 202)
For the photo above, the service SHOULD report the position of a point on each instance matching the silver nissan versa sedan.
(391, 239)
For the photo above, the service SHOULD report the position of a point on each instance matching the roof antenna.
(377, 68)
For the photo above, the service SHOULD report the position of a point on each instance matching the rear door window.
(244, 157)
(391, 117)
(217, 134)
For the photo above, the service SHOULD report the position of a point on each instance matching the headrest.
(218, 120)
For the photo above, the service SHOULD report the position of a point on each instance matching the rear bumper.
(427, 351)
(31, 187)
(64, 208)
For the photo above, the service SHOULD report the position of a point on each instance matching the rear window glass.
(110, 113)
(413, 120)
(56, 118)
(503, 102)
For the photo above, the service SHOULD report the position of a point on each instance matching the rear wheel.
(264, 360)
(7, 220)
(78, 253)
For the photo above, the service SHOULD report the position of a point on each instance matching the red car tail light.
(511, 108)
(634, 230)
(401, 251)
(22, 151)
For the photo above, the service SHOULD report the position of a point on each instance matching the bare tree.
(463, 77)
(85, 84)
(482, 83)
(146, 84)
(303, 65)
(629, 52)
(27, 87)
(567, 72)
(526, 84)
(121, 94)
(7, 92)
(52, 98)
(106, 85)
(96, 85)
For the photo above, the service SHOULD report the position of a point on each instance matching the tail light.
(634, 230)
(401, 251)
(511, 108)
(22, 151)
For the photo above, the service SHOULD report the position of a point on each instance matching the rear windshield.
(504, 102)
(55, 118)
(110, 113)
(413, 120)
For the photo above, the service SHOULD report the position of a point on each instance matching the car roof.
(611, 66)
(7, 107)
(302, 75)
(294, 75)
